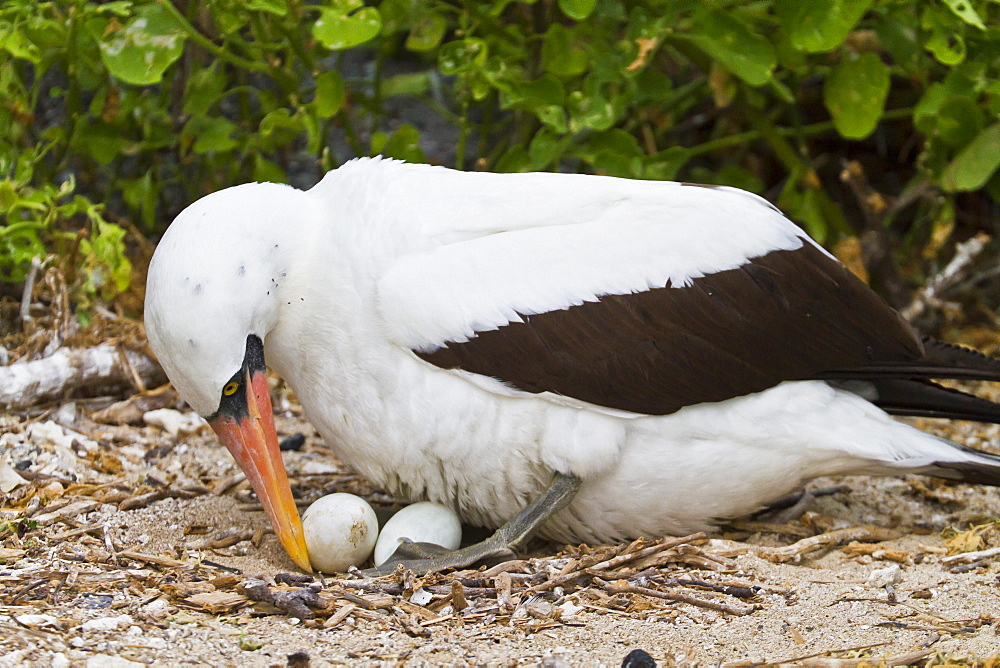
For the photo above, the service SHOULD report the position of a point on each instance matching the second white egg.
(422, 522)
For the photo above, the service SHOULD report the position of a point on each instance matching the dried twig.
(826, 540)
(29, 288)
(24, 384)
(660, 546)
(930, 296)
(738, 610)
(967, 557)
(339, 616)
(154, 559)
(295, 602)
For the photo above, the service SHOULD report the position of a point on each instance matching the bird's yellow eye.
(230, 388)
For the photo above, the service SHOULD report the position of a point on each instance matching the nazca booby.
(674, 355)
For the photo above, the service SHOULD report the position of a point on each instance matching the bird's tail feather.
(924, 398)
(940, 360)
(974, 472)
(904, 387)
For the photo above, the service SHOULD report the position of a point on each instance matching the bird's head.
(212, 297)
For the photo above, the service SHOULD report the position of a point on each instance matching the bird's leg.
(505, 540)
(792, 507)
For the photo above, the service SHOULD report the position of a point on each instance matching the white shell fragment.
(422, 522)
(885, 577)
(340, 531)
(174, 422)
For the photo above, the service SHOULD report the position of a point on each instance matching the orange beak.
(253, 442)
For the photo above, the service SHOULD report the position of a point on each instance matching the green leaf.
(279, 127)
(427, 33)
(663, 166)
(614, 141)
(926, 110)
(265, 171)
(462, 55)
(276, 7)
(514, 160)
(651, 86)
(397, 15)
(615, 153)
(855, 92)
(8, 196)
(804, 206)
(404, 144)
(554, 116)
(898, 33)
(141, 51)
(329, 94)
(946, 43)
(590, 112)
(314, 133)
(106, 270)
(377, 142)
(409, 84)
(544, 148)
(101, 141)
(963, 9)
(561, 52)
(959, 120)
(141, 194)
(975, 164)
(816, 27)
(346, 23)
(204, 88)
(737, 47)
(120, 8)
(578, 10)
(730, 174)
(211, 134)
(544, 91)
(17, 44)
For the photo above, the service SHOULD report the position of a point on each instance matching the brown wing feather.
(786, 315)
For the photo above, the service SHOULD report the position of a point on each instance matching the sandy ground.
(73, 593)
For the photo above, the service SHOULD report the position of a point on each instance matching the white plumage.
(381, 260)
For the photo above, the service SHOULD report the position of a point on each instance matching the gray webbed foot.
(423, 558)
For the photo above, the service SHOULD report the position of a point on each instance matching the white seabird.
(658, 356)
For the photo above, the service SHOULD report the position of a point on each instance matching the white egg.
(340, 532)
(422, 522)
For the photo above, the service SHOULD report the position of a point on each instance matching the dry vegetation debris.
(128, 537)
(82, 578)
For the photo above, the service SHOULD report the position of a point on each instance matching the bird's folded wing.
(640, 315)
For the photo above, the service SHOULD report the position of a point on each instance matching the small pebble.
(421, 597)
(884, 577)
(108, 661)
(36, 621)
(638, 658)
(173, 422)
(107, 623)
(54, 489)
(293, 442)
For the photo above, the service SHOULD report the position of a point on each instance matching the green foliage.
(49, 212)
(855, 92)
(19, 526)
(145, 105)
(140, 51)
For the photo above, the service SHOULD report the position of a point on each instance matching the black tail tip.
(975, 473)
